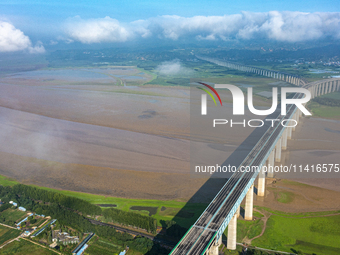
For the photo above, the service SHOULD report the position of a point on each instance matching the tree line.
(130, 218)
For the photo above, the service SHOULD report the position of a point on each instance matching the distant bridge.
(205, 236)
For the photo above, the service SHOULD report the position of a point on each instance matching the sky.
(31, 26)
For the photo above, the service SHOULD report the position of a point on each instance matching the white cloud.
(171, 68)
(13, 39)
(97, 30)
(279, 26)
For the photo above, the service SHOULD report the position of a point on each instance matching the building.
(64, 237)
(13, 203)
(22, 208)
(53, 245)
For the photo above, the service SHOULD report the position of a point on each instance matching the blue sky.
(84, 21)
(128, 10)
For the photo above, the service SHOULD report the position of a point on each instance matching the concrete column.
(298, 115)
(232, 228)
(261, 185)
(271, 163)
(295, 117)
(284, 139)
(248, 215)
(278, 150)
(289, 132)
(214, 248)
(311, 90)
(323, 88)
(238, 212)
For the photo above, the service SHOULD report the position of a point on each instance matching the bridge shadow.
(173, 231)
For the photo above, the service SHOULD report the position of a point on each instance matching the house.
(28, 232)
(13, 203)
(22, 208)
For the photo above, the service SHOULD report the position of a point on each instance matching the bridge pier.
(248, 215)
(232, 228)
(270, 167)
(238, 212)
(278, 151)
(261, 184)
(284, 139)
(214, 248)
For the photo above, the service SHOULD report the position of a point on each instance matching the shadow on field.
(174, 230)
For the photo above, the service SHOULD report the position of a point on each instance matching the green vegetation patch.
(7, 234)
(284, 233)
(103, 247)
(284, 197)
(151, 210)
(324, 111)
(255, 229)
(24, 247)
(12, 215)
(5, 181)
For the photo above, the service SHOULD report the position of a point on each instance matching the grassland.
(301, 232)
(24, 247)
(323, 111)
(334, 95)
(7, 234)
(311, 233)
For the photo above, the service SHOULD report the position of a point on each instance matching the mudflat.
(101, 135)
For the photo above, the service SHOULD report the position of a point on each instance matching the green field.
(24, 247)
(13, 215)
(289, 232)
(7, 234)
(245, 229)
(293, 232)
(104, 247)
(334, 95)
(323, 111)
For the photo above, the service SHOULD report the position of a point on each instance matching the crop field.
(24, 247)
(13, 215)
(7, 234)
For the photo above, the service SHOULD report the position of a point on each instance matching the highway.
(199, 237)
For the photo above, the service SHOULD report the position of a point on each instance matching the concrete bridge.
(205, 236)
(289, 78)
